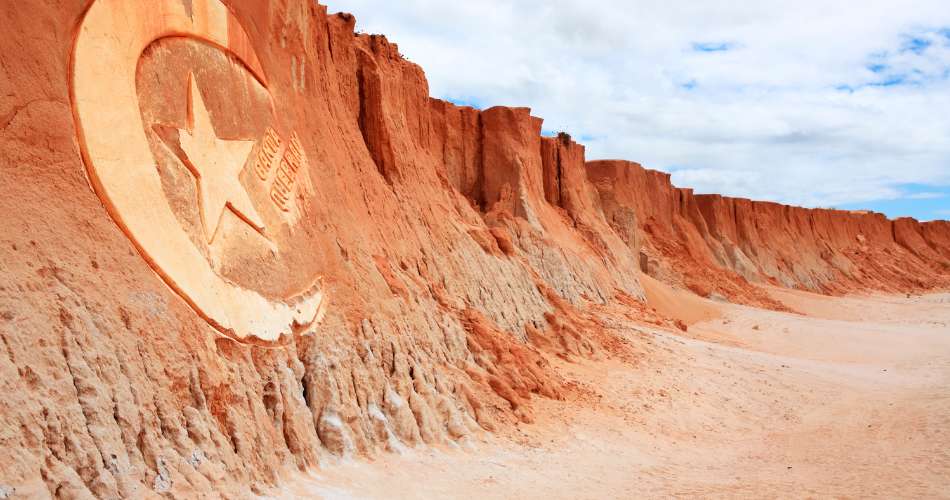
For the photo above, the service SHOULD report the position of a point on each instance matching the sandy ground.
(850, 401)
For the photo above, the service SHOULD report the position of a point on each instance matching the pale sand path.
(852, 401)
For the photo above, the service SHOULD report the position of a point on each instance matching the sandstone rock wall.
(720, 245)
(439, 253)
(456, 246)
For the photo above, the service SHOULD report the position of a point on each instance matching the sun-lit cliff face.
(454, 249)
(719, 245)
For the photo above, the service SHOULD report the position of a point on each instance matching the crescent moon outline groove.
(121, 168)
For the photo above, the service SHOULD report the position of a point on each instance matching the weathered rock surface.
(456, 247)
(719, 245)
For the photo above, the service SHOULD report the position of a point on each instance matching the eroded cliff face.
(717, 245)
(455, 249)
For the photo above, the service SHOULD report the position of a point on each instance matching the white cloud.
(816, 103)
(926, 196)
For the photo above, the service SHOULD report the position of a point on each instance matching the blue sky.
(840, 104)
(918, 201)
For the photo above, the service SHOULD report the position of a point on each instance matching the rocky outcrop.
(443, 264)
(457, 249)
(719, 245)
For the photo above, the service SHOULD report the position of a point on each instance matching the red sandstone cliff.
(457, 247)
(719, 245)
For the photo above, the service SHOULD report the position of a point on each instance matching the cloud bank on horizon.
(843, 104)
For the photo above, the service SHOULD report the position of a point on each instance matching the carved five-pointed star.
(216, 164)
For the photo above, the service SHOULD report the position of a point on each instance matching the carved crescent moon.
(122, 169)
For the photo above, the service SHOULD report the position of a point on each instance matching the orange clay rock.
(386, 269)
(666, 228)
(716, 245)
